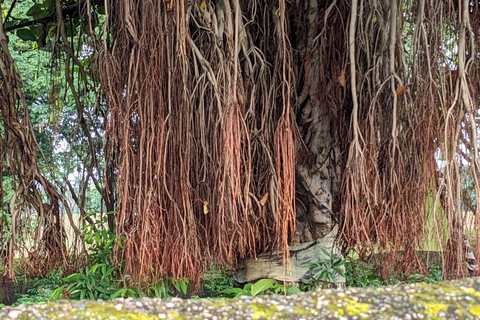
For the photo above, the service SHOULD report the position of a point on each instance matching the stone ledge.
(459, 299)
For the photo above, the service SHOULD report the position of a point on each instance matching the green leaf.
(74, 277)
(181, 286)
(102, 290)
(261, 285)
(293, 290)
(95, 267)
(91, 213)
(108, 244)
(233, 291)
(120, 243)
(243, 293)
(89, 239)
(414, 277)
(338, 263)
(109, 271)
(340, 272)
(36, 11)
(26, 35)
(119, 293)
(278, 288)
(55, 295)
(131, 293)
(327, 253)
(89, 284)
(72, 287)
(75, 294)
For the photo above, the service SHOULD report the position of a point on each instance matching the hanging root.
(392, 200)
(206, 159)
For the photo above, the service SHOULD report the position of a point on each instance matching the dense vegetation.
(148, 146)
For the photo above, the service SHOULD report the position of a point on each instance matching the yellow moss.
(262, 312)
(469, 290)
(474, 310)
(473, 292)
(354, 308)
(172, 315)
(107, 312)
(301, 310)
(434, 308)
(332, 307)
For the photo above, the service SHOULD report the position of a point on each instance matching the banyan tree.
(234, 127)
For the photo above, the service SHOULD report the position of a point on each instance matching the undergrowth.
(102, 279)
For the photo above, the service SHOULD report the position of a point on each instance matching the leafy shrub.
(434, 276)
(216, 281)
(96, 283)
(99, 281)
(324, 271)
(28, 299)
(165, 287)
(262, 286)
(359, 274)
(42, 290)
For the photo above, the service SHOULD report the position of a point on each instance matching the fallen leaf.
(341, 79)
(401, 90)
(205, 207)
(169, 4)
(264, 199)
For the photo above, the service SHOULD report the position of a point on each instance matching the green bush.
(99, 281)
(42, 290)
(216, 281)
(360, 274)
(261, 287)
(324, 271)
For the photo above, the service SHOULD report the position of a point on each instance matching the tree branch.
(71, 11)
(10, 10)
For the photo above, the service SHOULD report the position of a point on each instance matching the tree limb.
(71, 11)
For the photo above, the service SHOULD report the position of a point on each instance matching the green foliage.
(261, 287)
(217, 281)
(96, 283)
(28, 299)
(362, 274)
(166, 287)
(359, 274)
(42, 290)
(325, 270)
(181, 285)
(100, 280)
(434, 276)
(49, 283)
(99, 239)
